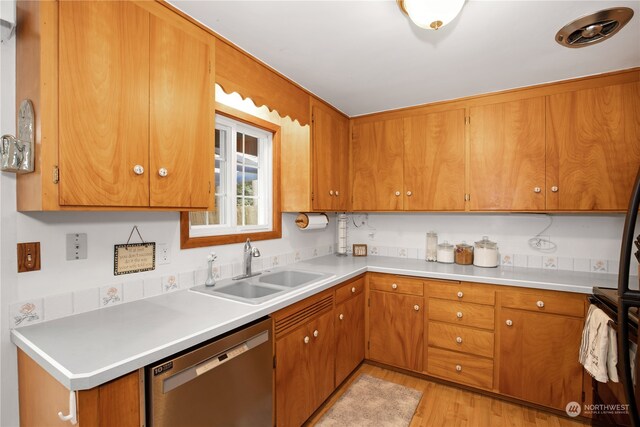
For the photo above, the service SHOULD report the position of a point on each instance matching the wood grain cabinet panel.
(507, 156)
(330, 163)
(181, 118)
(593, 148)
(463, 292)
(460, 368)
(350, 336)
(461, 313)
(395, 284)
(539, 357)
(103, 103)
(376, 165)
(396, 329)
(434, 162)
(460, 338)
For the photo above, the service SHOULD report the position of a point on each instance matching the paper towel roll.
(312, 221)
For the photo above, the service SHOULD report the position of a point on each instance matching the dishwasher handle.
(213, 362)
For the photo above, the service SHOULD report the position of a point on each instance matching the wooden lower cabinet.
(350, 337)
(539, 357)
(117, 403)
(396, 329)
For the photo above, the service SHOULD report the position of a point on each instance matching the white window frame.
(228, 203)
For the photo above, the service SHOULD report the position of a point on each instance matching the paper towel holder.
(311, 221)
(17, 153)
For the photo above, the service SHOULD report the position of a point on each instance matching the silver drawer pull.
(460, 294)
(459, 340)
(315, 333)
(416, 307)
(394, 286)
(353, 290)
(306, 340)
(459, 315)
(540, 304)
(509, 322)
(459, 368)
(341, 317)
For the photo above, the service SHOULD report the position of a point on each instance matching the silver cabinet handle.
(353, 290)
(163, 172)
(459, 340)
(341, 317)
(459, 315)
(537, 189)
(397, 193)
(306, 340)
(394, 286)
(554, 189)
(509, 322)
(337, 193)
(416, 307)
(540, 304)
(331, 192)
(138, 169)
(409, 193)
(315, 333)
(459, 368)
(460, 294)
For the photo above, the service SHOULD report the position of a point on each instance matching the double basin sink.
(268, 285)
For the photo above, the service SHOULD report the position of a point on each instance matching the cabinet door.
(103, 104)
(376, 165)
(293, 402)
(507, 156)
(322, 357)
(539, 357)
(434, 175)
(396, 329)
(349, 320)
(330, 159)
(181, 118)
(593, 147)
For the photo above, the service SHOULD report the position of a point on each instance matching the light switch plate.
(76, 246)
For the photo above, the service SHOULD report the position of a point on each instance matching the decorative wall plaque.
(134, 257)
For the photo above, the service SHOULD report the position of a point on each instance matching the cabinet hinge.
(467, 197)
(312, 196)
(209, 187)
(313, 118)
(467, 120)
(274, 362)
(56, 175)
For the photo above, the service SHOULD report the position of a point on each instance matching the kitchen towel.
(598, 351)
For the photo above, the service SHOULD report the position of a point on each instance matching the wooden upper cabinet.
(103, 103)
(434, 171)
(377, 165)
(507, 156)
(593, 147)
(181, 118)
(330, 139)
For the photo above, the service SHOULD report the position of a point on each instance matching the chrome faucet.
(249, 253)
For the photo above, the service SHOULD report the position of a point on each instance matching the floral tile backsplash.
(33, 311)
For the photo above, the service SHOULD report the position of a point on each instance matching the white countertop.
(89, 349)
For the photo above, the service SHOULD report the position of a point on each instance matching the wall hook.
(17, 153)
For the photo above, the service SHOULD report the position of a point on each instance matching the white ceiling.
(366, 56)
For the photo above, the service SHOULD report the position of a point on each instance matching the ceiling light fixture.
(431, 14)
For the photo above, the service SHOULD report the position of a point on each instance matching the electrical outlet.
(76, 246)
(163, 254)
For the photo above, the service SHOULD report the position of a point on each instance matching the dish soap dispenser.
(211, 280)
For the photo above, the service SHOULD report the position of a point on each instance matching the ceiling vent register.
(594, 28)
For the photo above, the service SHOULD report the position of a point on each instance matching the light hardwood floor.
(443, 405)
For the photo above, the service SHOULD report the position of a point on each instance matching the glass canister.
(486, 253)
(464, 254)
(432, 246)
(445, 253)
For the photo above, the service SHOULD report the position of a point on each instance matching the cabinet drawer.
(460, 338)
(465, 292)
(349, 290)
(461, 313)
(397, 284)
(545, 302)
(461, 368)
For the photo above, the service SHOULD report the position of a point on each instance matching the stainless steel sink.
(291, 278)
(257, 290)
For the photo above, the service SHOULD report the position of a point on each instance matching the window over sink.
(247, 203)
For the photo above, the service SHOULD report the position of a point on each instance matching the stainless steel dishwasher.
(227, 382)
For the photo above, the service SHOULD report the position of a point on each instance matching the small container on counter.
(464, 254)
(432, 246)
(445, 253)
(485, 253)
